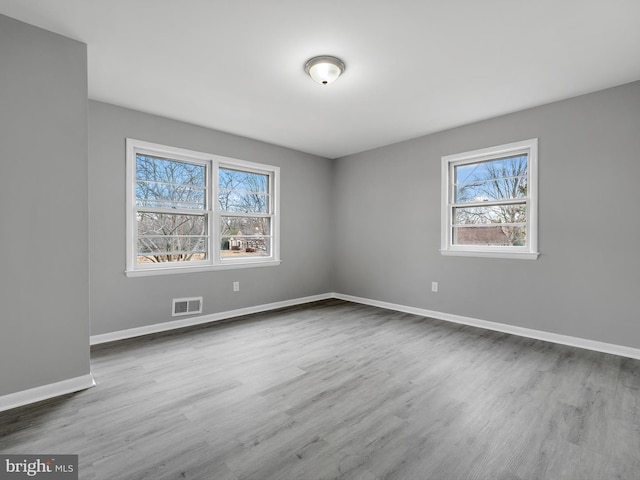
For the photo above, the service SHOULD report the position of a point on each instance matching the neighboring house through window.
(189, 211)
(489, 202)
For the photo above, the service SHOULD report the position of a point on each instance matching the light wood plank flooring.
(337, 390)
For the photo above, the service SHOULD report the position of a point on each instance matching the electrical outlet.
(434, 287)
(236, 286)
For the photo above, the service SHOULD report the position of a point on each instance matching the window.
(489, 202)
(174, 224)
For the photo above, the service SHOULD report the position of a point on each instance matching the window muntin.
(172, 225)
(489, 205)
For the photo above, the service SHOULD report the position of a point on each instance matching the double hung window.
(188, 211)
(489, 202)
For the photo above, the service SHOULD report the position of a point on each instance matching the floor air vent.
(186, 306)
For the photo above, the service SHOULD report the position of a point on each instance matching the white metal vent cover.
(186, 306)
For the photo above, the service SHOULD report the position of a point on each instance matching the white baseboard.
(603, 347)
(201, 319)
(45, 392)
(498, 327)
(71, 385)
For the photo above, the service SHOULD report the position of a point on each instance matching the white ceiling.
(413, 66)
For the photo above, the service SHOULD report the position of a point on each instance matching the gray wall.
(43, 208)
(366, 225)
(586, 283)
(119, 302)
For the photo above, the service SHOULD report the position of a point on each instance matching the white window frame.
(528, 251)
(212, 211)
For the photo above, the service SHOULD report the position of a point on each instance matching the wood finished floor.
(338, 390)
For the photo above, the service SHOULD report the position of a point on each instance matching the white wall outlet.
(434, 286)
(236, 286)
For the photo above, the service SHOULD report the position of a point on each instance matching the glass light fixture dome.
(324, 69)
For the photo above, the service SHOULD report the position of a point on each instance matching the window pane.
(515, 213)
(169, 183)
(245, 235)
(230, 201)
(488, 235)
(245, 192)
(245, 246)
(232, 226)
(163, 224)
(166, 237)
(500, 179)
(171, 249)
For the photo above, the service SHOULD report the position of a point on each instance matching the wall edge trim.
(560, 339)
(578, 342)
(46, 392)
(201, 319)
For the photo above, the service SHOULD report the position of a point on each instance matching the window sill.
(198, 268)
(513, 255)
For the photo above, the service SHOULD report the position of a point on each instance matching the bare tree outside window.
(190, 211)
(489, 204)
(490, 199)
(169, 194)
(245, 226)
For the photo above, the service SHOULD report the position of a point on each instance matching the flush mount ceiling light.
(324, 69)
